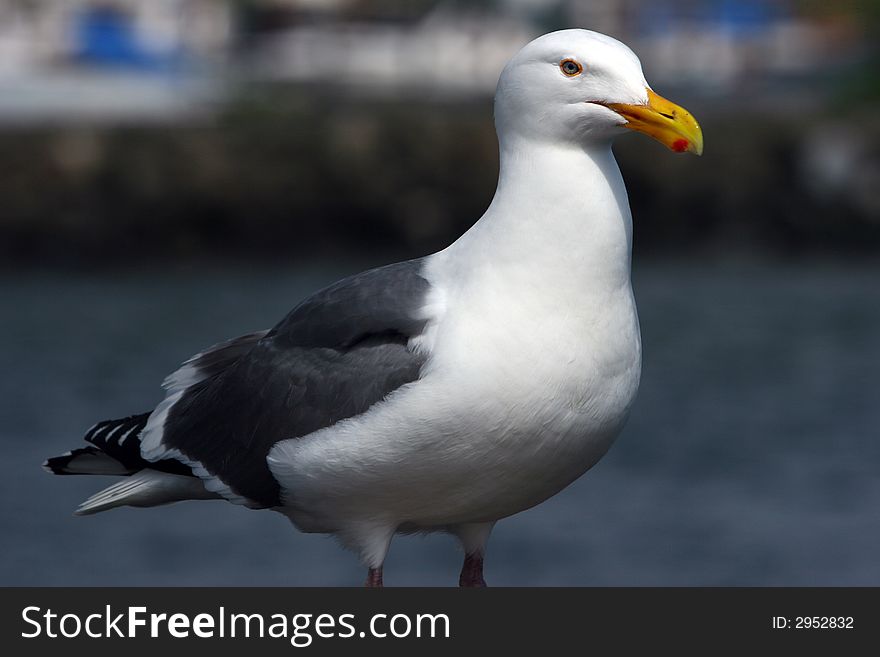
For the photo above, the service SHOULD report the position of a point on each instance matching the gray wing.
(335, 355)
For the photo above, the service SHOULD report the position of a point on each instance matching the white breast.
(516, 404)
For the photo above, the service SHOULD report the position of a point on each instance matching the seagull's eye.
(571, 67)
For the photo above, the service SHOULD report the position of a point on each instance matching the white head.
(578, 86)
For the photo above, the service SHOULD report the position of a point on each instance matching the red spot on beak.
(680, 145)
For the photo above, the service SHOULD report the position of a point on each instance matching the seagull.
(443, 393)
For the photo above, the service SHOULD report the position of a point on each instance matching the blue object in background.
(741, 18)
(106, 37)
(746, 17)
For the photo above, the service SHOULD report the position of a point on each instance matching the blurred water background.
(176, 172)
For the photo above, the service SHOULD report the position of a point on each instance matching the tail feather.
(146, 488)
(115, 449)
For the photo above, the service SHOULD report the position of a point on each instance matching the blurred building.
(109, 59)
(153, 59)
(449, 50)
(456, 47)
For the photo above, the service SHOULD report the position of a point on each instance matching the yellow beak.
(665, 121)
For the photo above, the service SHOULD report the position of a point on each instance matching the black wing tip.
(99, 433)
(59, 464)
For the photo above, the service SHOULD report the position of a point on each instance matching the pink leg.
(374, 578)
(472, 571)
